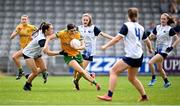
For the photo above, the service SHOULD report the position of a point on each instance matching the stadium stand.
(107, 14)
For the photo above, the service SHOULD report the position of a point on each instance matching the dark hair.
(133, 14)
(43, 26)
(71, 26)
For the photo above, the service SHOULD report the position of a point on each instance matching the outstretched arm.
(112, 42)
(106, 35)
(51, 53)
(46, 48)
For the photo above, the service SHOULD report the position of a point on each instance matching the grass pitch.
(59, 91)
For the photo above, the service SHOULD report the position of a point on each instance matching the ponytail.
(43, 26)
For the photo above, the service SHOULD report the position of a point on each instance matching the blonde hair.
(90, 18)
(25, 16)
(170, 18)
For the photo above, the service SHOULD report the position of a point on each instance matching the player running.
(163, 34)
(132, 33)
(72, 56)
(33, 56)
(24, 30)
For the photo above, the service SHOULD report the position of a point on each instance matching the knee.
(81, 72)
(150, 63)
(159, 68)
(113, 71)
(35, 73)
(131, 79)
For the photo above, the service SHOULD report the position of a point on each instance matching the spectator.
(173, 6)
(164, 6)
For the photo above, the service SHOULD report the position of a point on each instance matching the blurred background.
(108, 15)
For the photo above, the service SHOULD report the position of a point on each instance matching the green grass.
(59, 91)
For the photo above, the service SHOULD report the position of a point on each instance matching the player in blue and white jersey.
(163, 34)
(89, 34)
(132, 33)
(32, 53)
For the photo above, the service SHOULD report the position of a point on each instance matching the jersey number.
(137, 32)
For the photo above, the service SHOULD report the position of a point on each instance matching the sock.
(78, 77)
(20, 69)
(110, 94)
(153, 76)
(44, 72)
(166, 80)
(144, 96)
(94, 82)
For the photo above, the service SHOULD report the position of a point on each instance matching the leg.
(32, 65)
(77, 76)
(118, 67)
(16, 57)
(151, 63)
(16, 60)
(163, 74)
(43, 68)
(85, 64)
(74, 64)
(132, 77)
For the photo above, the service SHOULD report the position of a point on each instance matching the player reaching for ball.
(72, 56)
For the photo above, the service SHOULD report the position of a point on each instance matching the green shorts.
(78, 58)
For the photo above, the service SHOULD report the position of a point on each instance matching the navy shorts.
(133, 62)
(164, 55)
(27, 57)
(89, 58)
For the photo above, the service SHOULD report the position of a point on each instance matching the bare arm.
(149, 45)
(13, 34)
(50, 53)
(46, 48)
(106, 35)
(112, 42)
(176, 42)
(48, 40)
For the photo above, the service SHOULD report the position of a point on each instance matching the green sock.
(94, 82)
(20, 69)
(78, 77)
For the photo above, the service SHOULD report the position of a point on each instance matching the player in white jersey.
(89, 34)
(132, 33)
(32, 53)
(163, 34)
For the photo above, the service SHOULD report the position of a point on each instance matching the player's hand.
(45, 49)
(151, 51)
(169, 49)
(103, 47)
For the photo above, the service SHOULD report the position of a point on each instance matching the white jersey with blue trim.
(33, 49)
(163, 38)
(89, 37)
(132, 39)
